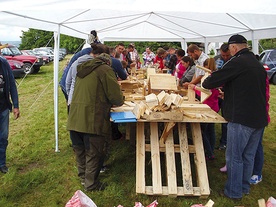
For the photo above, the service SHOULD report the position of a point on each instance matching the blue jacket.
(9, 84)
(73, 59)
(118, 68)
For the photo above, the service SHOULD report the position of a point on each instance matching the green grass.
(40, 177)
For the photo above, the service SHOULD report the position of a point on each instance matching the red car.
(268, 59)
(46, 59)
(31, 63)
(17, 68)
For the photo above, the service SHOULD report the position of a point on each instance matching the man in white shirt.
(199, 57)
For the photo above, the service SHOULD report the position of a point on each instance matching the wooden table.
(177, 165)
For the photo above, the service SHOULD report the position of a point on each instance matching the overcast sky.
(10, 33)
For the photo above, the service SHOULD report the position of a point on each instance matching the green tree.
(267, 44)
(34, 38)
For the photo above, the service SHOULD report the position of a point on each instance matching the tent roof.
(133, 20)
(142, 20)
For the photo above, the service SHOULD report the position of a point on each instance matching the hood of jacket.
(87, 67)
(84, 58)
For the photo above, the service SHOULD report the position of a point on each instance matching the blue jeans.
(242, 143)
(4, 132)
(259, 158)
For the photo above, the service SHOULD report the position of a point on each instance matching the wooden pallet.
(164, 177)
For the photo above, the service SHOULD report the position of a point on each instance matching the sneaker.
(222, 147)
(223, 169)
(209, 157)
(4, 169)
(103, 169)
(255, 179)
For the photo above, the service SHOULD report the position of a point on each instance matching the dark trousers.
(90, 151)
(209, 137)
(223, 138)
(116, 134)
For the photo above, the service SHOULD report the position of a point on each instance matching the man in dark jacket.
(96, 90)
(7, 90)
(244, 81)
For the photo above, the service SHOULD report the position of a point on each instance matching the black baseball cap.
(237, 39)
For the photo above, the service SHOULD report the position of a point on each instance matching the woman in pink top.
(208, 129)
(179, 68)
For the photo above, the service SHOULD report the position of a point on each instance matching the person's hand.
(16, 113)
(185, 85)
(191, 86)
(221, 94)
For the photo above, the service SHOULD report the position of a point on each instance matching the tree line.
(34, 38)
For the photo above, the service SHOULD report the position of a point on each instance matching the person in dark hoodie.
(96, 91)
(8, 101)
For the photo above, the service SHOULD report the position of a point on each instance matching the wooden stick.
(203, 68)
(261, 202)
(206, 91)
(166, 131)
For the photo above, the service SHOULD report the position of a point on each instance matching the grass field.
(40, 177)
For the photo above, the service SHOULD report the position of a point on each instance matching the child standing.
(208, 129)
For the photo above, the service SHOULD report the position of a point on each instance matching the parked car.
(44, 53)
(268, 59)
(46, 58)
(63, 51)
(31, 63)
(17, 67)
(48, 51)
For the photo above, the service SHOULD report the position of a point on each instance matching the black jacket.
(244, 81)
(11, 89)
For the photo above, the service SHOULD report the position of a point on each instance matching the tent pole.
(56, 63)
(255, 45)
(184, 45)
(205, 46)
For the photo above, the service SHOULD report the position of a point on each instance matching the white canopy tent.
(141, 20)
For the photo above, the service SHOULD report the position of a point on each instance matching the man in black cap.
(244, 81)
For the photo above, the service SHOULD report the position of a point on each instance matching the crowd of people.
(90, 86)
(241, 137)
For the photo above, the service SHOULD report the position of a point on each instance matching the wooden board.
(202, 176)
(155, 159)
(140, 159)
(162, 82)
(170, 166)
(185, 159)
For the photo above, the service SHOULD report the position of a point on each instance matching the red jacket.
(159, 60)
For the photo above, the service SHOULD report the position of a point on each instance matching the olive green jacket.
(96, 90)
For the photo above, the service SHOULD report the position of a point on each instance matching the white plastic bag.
(271, 202)
(80, 199)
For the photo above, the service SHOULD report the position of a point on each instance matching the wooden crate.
(159, 82)
(167, 176)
